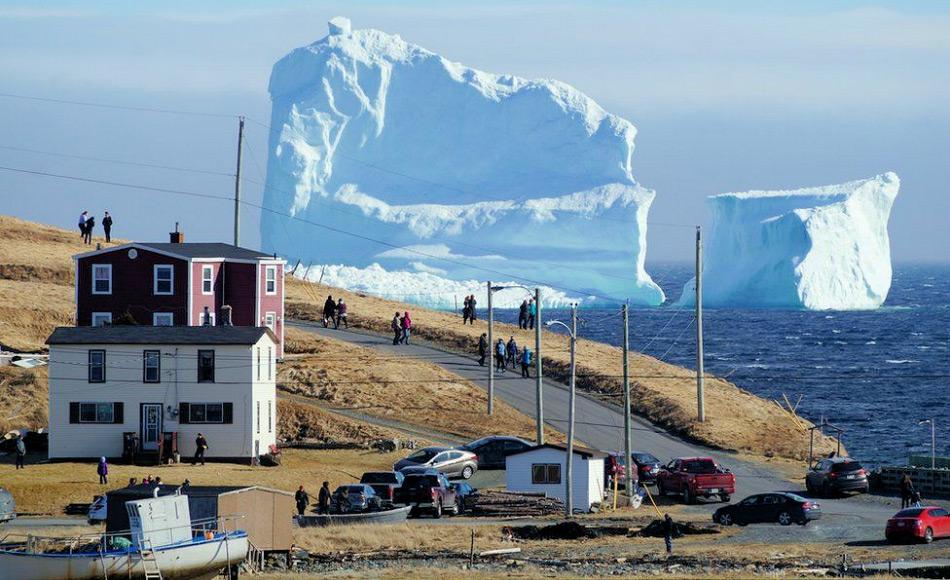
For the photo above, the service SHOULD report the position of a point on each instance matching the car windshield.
(700, 466)
(644, 458)
(381, 477)
(846, 466)
(424, 455)
(355, 489)
(417, 481)
(911, 513)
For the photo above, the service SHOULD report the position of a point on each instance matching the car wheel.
(928, 535)
(808, 486)
(725, 497)
(825, 489)
(438, 510)
(688, 496)
(785, 519)
(725, 519)
(467, 472)
(803, 522)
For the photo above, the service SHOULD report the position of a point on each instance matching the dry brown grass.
(29, 311)
(49, 487)
(299, 421)
(416, 536)
(23, 398)
(344, 375)
(664, 393)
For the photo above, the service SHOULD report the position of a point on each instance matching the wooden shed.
(268, 513)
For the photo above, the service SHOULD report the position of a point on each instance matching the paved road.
(600, 425)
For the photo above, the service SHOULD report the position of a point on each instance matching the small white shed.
(543, 469)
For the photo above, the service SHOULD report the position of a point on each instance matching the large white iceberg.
(465, 175)
(820, 248)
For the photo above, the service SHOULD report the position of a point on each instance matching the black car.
(836, 475)
(648, 467)
(493, 450)
(784, 508)
(465, 495)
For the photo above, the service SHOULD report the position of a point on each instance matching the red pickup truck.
(430, 492)
(694, 477)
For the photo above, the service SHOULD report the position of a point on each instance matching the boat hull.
(393, 516)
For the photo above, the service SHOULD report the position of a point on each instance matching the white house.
(543, 469)
(158, 383)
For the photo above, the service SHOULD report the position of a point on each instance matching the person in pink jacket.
(406, 323)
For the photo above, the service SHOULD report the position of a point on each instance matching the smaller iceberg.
(820, 248)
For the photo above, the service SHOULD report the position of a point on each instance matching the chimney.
(226, 315)
(177, 237)
(206, 317)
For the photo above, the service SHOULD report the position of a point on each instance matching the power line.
(117, 161)
(117, 107)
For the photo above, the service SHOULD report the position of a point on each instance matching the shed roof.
(582, 451)
(131, 334)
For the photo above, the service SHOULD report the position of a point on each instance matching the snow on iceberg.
(463, 174)
(820, 248)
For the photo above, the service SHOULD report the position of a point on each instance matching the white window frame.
(108, 268)
(209, 270)
(106, 315)
(258, 364)
(270, 416)
(258, 417)
(270, 363)
(157, 315)
(273, 321)
(270, 277)
(171, 279)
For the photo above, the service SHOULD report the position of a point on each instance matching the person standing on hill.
(512, 352)
(302, 499)
(329, 311)
(20, 451)
(82, 225)
(107, 226)
(90, 225)
(103, 470)
(523, 315)
(482, 348)
(201, 444)
(341, 315)
(532, 313)
(472, 313)
(525, 360)
(500, 352)
(406, 324)
(466, 312)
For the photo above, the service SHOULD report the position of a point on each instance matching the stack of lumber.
(492, 503)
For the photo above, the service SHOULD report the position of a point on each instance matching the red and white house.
(180, 284)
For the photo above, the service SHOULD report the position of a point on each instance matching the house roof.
(190, 250)
(582, 451)
(159, 335)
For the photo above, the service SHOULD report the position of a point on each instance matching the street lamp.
(568, 484)
(933, 441)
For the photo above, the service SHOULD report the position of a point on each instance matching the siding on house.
(272, 302)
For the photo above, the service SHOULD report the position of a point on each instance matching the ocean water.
(876, 373)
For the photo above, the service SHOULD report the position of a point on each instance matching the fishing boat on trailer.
(162, 542)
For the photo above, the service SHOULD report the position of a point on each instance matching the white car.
(97, 510)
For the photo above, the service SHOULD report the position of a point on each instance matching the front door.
(151, 426)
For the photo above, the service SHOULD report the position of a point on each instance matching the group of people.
(401, 327)
(334, 313)
(323, 499)
(87, 223)
(506, 355)
(468, 310)
(527, 314)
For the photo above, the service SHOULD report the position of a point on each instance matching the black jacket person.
(302, 499)
(323, 500)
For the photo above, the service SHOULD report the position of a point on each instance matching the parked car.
(784, 508)
(836, 475)
(7, 506)
(493, 450)
(418, 470)
(97, 510)
(648, 467)
(918, 524)
(451, 462)
(614, 467)
(384, 483)
(465, 495)
(354, 497)
(694, 477)
(426, 492)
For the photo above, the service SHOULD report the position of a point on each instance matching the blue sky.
(727, 96)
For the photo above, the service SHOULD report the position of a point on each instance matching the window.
(270, 321)
(546, 473)
(222, 413)
(258, 416)
(96, 413)
(270, 363)
(207, 279)
(258, 363)
(270, 280)
(152, 366)
(270, 416)
(164, 279)
(210, 318)
(101, 318)
(97, 366)
(102, 278)
(772, 500)
(205, 366)
(163, 319)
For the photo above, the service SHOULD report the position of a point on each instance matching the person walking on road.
(201, 444)
(500, 352)
(107, 226)
(907, 490)
(523, 315)
(103, 470)
(525, 360)
(669, 529)
(302, 499)
(482, 348)
(512, 352)
(406, 324)
(532, 313)
(323, 499)
(20, 451)
(341, 315)
(396, 328)
(329, 312)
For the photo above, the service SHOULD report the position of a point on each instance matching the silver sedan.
(451, 462)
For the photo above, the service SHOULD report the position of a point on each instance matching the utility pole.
(491, 359)
(539, 387)
(627, 444)
(568, 483)
(933, 443)
(700, 380)
(237, 184)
